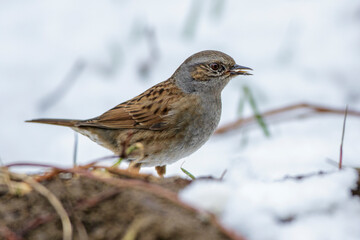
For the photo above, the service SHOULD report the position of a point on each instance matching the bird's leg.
(161, 170)
(134, 167)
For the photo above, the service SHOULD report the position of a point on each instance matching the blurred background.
(77, 59)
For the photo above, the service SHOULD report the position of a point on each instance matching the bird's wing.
(149, 110)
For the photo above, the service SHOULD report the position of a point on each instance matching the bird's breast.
(197, 121)
(193, 120)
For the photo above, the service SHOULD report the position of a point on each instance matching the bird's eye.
(215, 66)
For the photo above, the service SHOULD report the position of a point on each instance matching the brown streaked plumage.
(170, 120)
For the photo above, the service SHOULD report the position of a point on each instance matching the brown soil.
(102, 203)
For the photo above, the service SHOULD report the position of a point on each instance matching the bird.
(170, 120)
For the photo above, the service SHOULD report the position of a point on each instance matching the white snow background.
(301, 51)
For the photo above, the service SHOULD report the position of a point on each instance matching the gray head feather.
(196, 75)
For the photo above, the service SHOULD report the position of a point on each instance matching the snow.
(249, 205)
(301, 51)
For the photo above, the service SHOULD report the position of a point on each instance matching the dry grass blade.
(135, 227)
(54, 201)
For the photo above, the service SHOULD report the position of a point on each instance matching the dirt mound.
(100, 203)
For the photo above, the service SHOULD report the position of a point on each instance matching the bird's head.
(207, 71)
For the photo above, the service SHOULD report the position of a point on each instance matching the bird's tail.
(60, 122)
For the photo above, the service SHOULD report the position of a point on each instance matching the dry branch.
(284, 113)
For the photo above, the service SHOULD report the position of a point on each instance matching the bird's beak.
(239, 70)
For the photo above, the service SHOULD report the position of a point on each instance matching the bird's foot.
(161, 170)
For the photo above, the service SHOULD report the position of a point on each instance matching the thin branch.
(304, 176)
(312, 109)
(342, 138)
(223, 175)
(27, 164)
(95, 200)
(97, 160)
(76, 140)
(8, 234)
(36, 222)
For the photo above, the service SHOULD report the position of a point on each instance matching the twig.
(54, 201)
(342, 138)
(8, 234)
(312, 109)
(223, 175)
(95, 200)
(336, 164)
(47, 175)
(27, 164)
(36, 222)
(303, 176)
(76, 139)
(97, 160)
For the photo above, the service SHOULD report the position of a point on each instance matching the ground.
(104, 205)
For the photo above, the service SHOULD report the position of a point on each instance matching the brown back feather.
(148, 110)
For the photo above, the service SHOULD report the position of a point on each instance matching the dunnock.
(170, 120)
